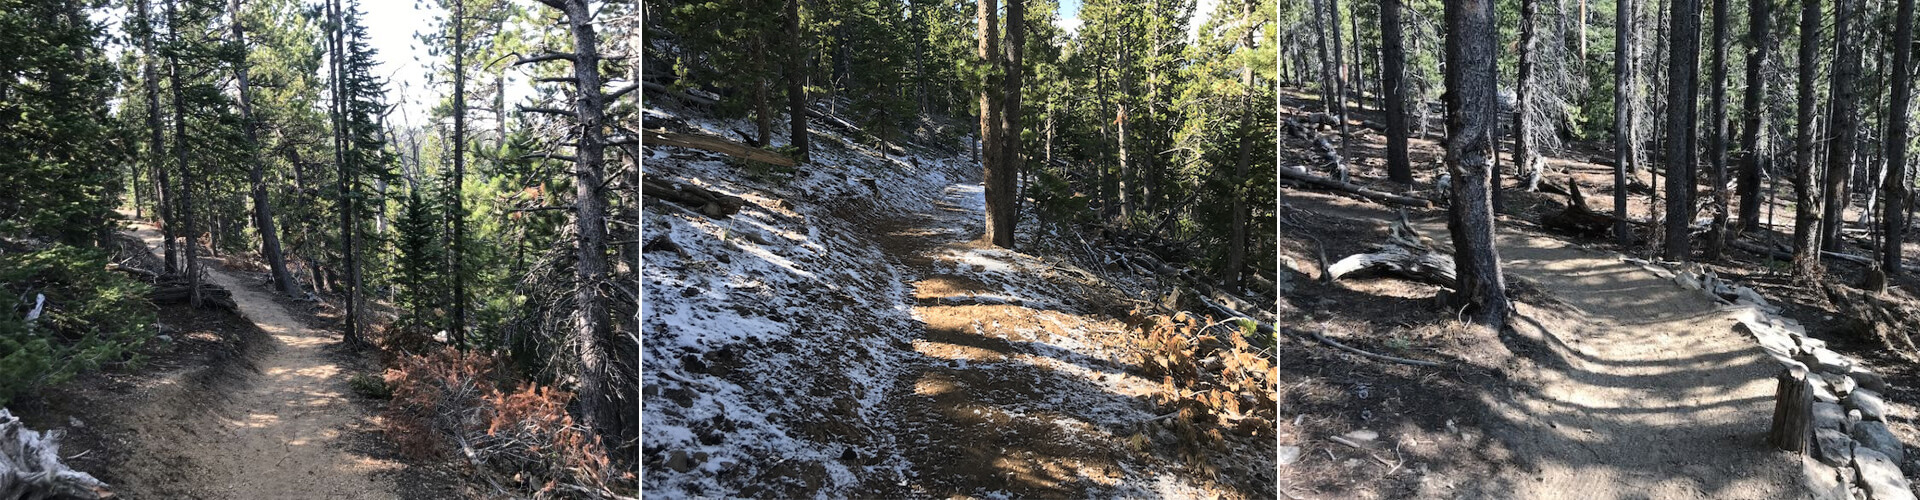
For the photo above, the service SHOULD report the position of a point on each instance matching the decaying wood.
(1406, 254)
(1885, 319)
(178, 292)
(713, 204)
(658, 137)
(1322, 337)
(1792, 427)
(1297, 177)
(1578, 219)
(30, 466)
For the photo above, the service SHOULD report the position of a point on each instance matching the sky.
(1069, 18)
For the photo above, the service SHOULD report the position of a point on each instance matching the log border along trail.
(282, 433)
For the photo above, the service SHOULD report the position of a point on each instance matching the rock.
(1876, 436)
(679, 461)
(1289, 455)
(1841, 384)
(165, 338)
(1869, 404)
(1821, 394)
(1829, 416)
(1362, 436)
(1880, 475)
(1868, 379)
(1825, 360)
(1832, 447)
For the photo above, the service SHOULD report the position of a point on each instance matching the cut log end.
(1792, 428)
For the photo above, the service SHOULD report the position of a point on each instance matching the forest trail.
(1021, 385)
(284, 432)
(1641, 388)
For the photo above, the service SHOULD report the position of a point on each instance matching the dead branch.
(1325, 183)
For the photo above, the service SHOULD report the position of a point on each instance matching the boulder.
(1829, 416)
(1880, 475)
(1869, 404)
(1868, 379)
(1876, 436)
(1832, 447)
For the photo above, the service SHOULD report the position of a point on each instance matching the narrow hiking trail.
(1022, 382)
(281, 433)
(1637, 388)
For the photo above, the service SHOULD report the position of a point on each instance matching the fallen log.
(30, 465)
(1578, 219)
(1406, 253)
(1788, 255)
(715, 144)
(1379, 196)
(1426, 267)
(1322, 337)
(715, 205)
(178, 294)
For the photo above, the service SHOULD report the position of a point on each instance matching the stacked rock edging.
(1850, 440)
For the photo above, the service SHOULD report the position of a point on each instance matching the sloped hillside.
(844, 334)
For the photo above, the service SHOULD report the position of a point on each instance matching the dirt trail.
(1642, 388)
(1025, 394)
(281, 434)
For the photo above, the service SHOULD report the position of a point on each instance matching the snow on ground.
(770, 337)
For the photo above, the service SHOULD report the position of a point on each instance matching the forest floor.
(1612, 383)
(244, 404)
(847, 335)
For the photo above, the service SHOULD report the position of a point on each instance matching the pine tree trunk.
(1682, 96)
(1523, 89)
(1622, 119)
(796, 82)
(1237, 245)
(1845, 105)
(1126, 93)
(1717, 147)
(1755, 135)
(1894, 222)
(1471, 113)
(1806, 254)
(1393, 73)
(762, 102)
(457, 330)
(1327, 76)
(157, 157)
(186, 170)
(262, 209)
(991, 151)
(349, 259)
(590, 214)
(1002, 182)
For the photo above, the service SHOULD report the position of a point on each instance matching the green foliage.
(370, 386)
(92, 318)
(60, 177)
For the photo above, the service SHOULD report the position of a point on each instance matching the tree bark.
(992, 152)
(1682, 95)
(1523, 160)
(1237, 245)
(1002, 182)
(180, 154)
(796, 82)
(1393, 73)
(1806, 255)
(1622, 119)
(1792, 427)
(1894, 223)
(158, 155)
(590, 215)
(1717, 145)
(457, 329)
(1470, 114)
(262, 208)
(1327, 76)
(1845, 105)
(1760, 41)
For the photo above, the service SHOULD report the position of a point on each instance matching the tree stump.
(1792, 411)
